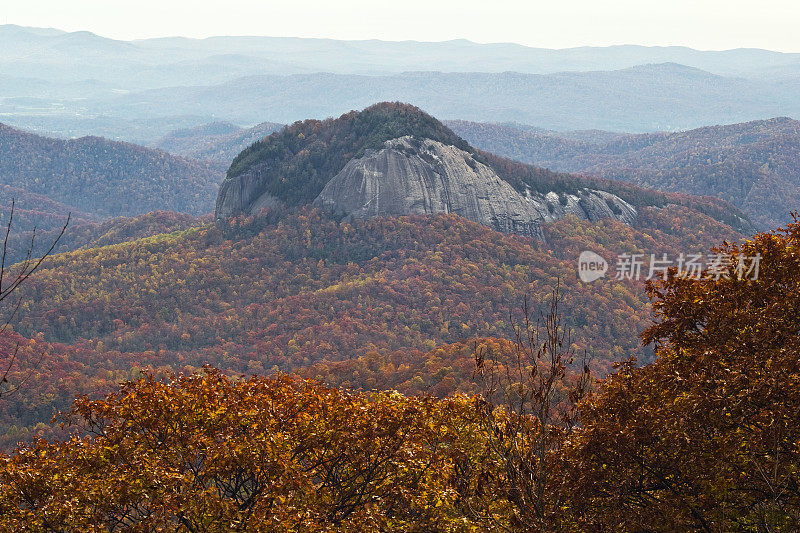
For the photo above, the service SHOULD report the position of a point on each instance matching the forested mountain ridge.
(168, 61)
(122, 229)
(105, 178)
(78, 83)
(386, 147)
(752, 165)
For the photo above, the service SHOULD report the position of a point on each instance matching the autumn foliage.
(104, 178)
(367, 304)
(703, 439)
(207, 453)
(707, 437)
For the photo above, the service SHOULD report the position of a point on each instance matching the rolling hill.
(167, 61)
(105, 178)
(78, 83)
(638, 99)
(645, 98)
(47, 218)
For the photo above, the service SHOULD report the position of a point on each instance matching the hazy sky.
(704, 24)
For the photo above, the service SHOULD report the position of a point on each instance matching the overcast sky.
(703, 24)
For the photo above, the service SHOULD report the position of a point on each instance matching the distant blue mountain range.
(79, 83)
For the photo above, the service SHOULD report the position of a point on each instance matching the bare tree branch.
(9, 283)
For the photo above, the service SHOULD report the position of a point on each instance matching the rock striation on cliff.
(423, 177)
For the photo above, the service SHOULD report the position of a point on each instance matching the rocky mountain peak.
(393, 159)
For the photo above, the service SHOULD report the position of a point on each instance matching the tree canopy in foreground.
(705, 438)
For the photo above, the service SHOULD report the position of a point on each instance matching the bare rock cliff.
(412, 176)
(243, 194)
(420, 176)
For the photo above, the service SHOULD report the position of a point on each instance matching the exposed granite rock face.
(589, 205)
(411, 176)
(425, 177)
(242, 194)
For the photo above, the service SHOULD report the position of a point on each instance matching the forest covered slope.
(105, 178)
(288, 291)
